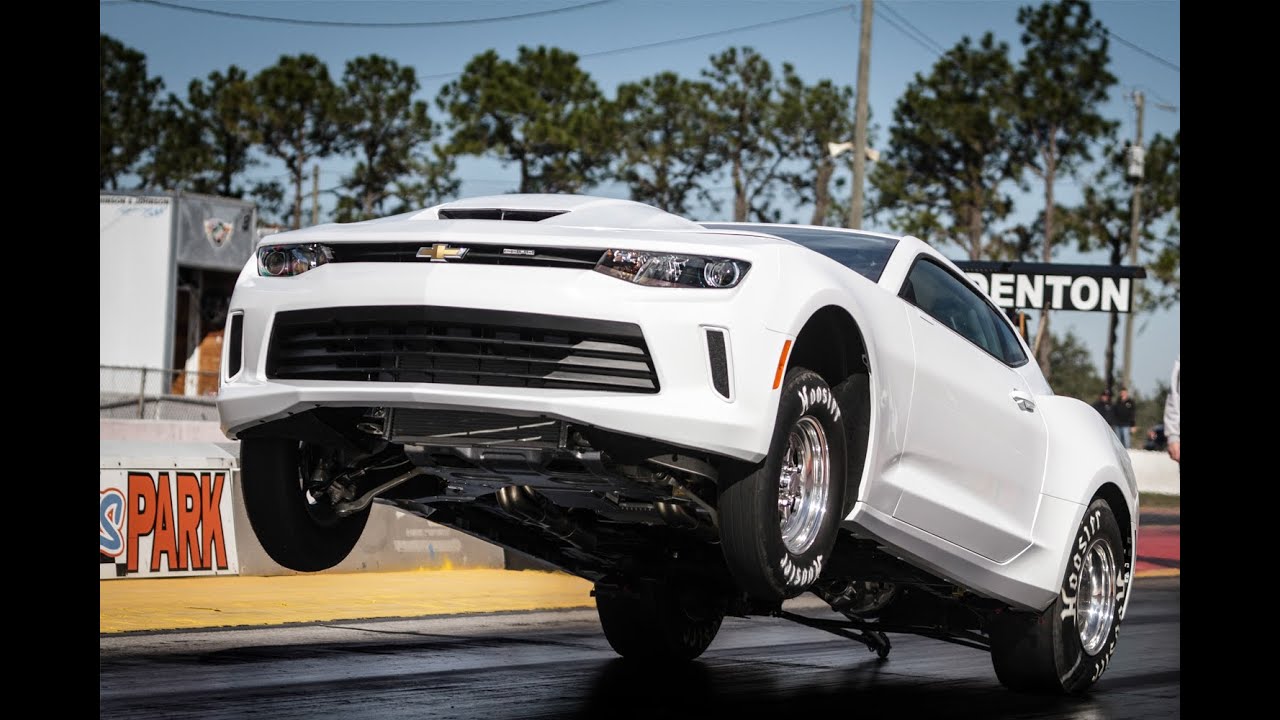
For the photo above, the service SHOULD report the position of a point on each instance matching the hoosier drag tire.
(1066, 648)
(292, 529)
(778, 521)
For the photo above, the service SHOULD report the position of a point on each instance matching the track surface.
(558, 664)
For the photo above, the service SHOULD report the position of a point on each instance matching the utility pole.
(860, 117)
(1136, 167)
(315, 194)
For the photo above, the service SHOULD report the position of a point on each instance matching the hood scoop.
(496, 214)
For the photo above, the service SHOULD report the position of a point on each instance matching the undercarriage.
(624, 512)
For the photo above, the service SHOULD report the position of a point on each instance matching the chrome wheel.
(803, 484)
(1096, 601)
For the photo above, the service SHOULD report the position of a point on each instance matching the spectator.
(1103, 406)
(1172, 415)
(1156, 439)
(1124, 416)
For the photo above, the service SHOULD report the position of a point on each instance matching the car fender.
(880, 316)
(832, 284)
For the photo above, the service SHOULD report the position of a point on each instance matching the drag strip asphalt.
(558, 664)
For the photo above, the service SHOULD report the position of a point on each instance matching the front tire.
(1066, 648)
(290, 526)
(778, 523)
(660, 621)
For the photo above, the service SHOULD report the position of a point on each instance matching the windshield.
(864, 254)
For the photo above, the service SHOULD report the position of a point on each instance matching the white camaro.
(701, 418)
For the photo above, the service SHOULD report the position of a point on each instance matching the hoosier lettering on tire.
(1066, 648)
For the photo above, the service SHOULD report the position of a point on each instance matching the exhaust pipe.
(522, 502)
(676, 515)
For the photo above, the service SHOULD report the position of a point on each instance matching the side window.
(954, 304)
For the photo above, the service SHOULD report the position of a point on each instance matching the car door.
(974, 455)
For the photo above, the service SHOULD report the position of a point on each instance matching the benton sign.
(1029, 286)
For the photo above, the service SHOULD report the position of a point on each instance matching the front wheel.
(778, 523)
(1066, 648)
(295, 528)
(660, 621)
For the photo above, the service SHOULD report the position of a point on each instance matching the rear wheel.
(297, 528)
(778, 523)
(660, 621)
(1066, 648)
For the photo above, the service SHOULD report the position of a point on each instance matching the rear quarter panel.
(1084, 454)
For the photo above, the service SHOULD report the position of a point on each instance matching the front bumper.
(687, 410)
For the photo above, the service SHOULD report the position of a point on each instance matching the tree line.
(666, 137)
(962, 136)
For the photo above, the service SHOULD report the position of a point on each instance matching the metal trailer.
(167, 265)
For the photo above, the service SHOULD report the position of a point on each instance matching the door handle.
(1023, 400)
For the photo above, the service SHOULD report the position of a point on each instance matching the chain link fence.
(157, 394)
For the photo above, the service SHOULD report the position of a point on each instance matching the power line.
(349, 24)
(922, 38)
(673, 41)
(893, 23)
(1144, 51)
(716, 33)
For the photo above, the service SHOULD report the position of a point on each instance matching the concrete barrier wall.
(1156, 472)
(161, 430)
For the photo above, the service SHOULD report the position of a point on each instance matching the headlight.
(286, 260)
(670, 270)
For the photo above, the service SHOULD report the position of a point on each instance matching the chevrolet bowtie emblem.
(440, 252)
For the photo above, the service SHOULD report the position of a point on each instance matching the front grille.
(464, 427)
(584, 259)
(460, 346)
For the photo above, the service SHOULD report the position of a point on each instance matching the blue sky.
(181, 46)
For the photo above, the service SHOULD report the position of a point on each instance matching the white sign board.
(166, 523)
(1062, 292)
(135, 262)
